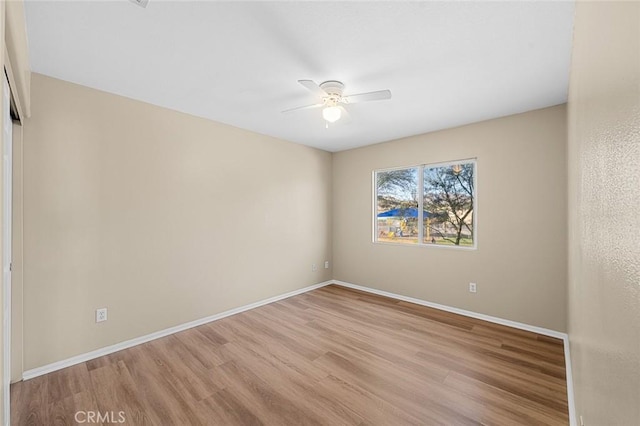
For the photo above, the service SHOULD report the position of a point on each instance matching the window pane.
(397, 202)
(449, 202)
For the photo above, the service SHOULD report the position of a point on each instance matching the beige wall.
(520, 263)
(604, 196)
(159, 216)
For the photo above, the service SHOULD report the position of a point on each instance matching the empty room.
(320, 212)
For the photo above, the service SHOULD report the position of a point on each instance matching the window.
(446, 206)
(397, 213)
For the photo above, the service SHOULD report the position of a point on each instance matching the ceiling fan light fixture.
(331, 114)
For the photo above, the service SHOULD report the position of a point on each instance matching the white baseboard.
(495, 320)
(35, 372)
(471, 314)
(39, 371)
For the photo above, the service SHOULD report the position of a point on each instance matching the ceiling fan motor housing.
(333, 88)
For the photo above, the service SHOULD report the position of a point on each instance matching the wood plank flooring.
(333, 356)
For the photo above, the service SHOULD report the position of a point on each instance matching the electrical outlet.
(101, 314)
(314, 267)
(326, 264)
(472, 288)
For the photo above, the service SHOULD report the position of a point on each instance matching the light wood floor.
(332, 356)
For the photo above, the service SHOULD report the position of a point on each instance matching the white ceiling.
(446, 63)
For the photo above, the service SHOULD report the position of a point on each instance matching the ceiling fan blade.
(313, 88)
(370, 96)
(345, 117)
(302, 107)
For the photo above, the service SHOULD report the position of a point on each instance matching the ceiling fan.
(332, 100)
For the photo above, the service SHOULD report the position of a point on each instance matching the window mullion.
(420, 205)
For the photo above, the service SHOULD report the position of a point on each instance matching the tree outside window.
(445, 209)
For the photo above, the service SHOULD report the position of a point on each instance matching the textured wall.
(520, 264)
(604, 198)
(159, 216)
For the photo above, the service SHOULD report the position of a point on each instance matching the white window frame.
(421, 168)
